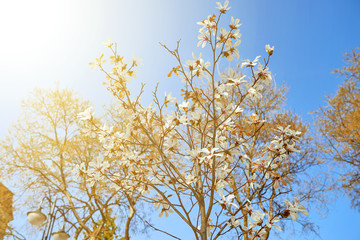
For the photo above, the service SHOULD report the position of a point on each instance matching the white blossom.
(269, 49)
(223, 8)
(87, 114)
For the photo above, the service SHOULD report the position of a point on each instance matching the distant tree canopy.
(40, 156)
(339, 123)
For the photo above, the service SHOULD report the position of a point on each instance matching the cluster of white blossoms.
(286, 142)
(196, 155)
(228, 41)
(96, 171)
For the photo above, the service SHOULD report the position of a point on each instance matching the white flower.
(135, 61)
(236, 34)
(209, 154)
(222, 8)
(183, 119)
(87, 114)
(234, 24)
(78, 170)
(225, 201)
(254, 94)
(97, 171)
(272, 221)
(197, 66)
(264, 74)
(239, 110)
(249, 63)
(209, 22)
(269, 49)
(236, 81)
(233, 222)
(184, 106)
(221, 183)
(295, 208)
(222, 37)
(108, 43)
(257, 216)
(193, 154)
(203, 37)
(231, 49)
(195, 116)
(169, 98)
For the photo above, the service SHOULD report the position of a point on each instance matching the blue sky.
(44, 42)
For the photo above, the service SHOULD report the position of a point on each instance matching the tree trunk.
(128, 221)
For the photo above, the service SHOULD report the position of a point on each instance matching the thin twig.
(156, 229)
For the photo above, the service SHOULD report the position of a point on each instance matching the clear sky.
(43, 42)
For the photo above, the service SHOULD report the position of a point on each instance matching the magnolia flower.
(239, 110)
(223, 172)
(184, 106)
(233, 222)
(269, 49)
(209, 22)
(78, 170)
(222, 8)
(193, 154)
(203, 37)
(99, 167)
(195, 116)
(286, 142)
(116, 59)
(225, 201)
(289, 132)
(135, 61)
(231, 49)
(87, 114)
(220, 184)
(208, 154)
(254, 94)
(236, 34)
(264, 74)
(197, 66)
(272, 221)
(108, 43)
(222, 37)
(293, 209)
(96, 173)
(234, 24)
(171, 120)
(169, 98)
(249, 63)
(236, 81)
(257, 216)
(183, 119)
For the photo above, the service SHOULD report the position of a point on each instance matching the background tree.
(339, 124)
(39, 157)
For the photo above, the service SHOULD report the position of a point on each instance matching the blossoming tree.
(200, 157)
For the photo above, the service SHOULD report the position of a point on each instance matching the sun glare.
(33, 29)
